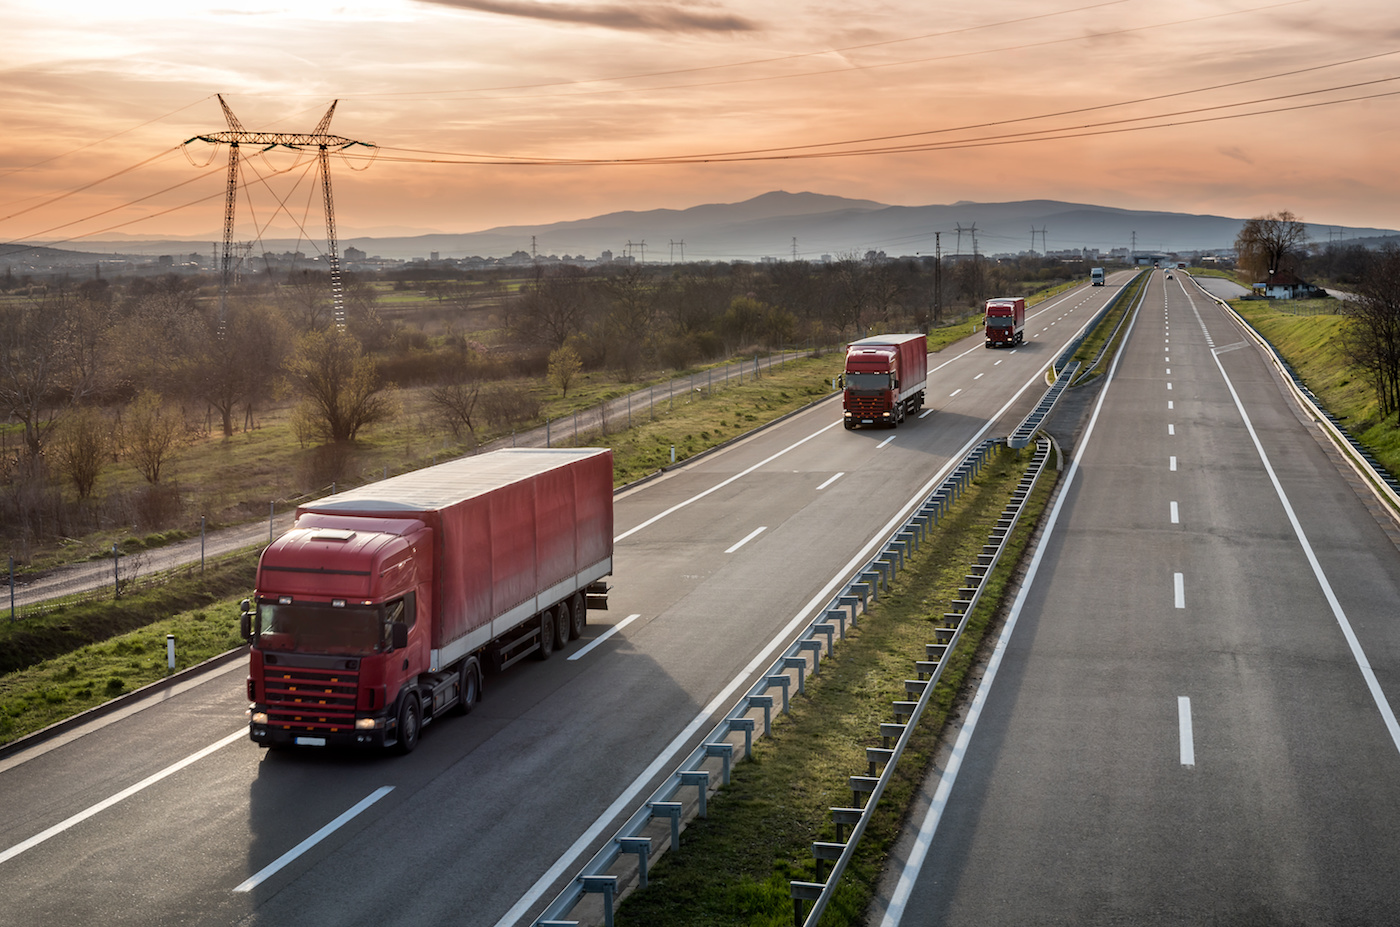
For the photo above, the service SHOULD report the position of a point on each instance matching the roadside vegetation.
(129, 408)
(734, 866)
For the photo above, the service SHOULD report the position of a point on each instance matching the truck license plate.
(311, 741)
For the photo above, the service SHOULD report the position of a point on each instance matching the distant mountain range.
(776, 225)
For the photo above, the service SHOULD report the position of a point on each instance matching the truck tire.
(410, 722)
(546, 647)
(562, 620)
(578, 617)
(468, 686)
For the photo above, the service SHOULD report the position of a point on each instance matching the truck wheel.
(468, 686)
(562, 620)
(579, 617)
(546, 635)
(410, 722)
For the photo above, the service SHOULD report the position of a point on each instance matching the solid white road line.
(1188, 744)
(748, 537)
(604, 636)
(291, 855)
(124, 794)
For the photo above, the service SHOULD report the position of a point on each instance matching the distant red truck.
(1005, 322)
(885, 379)
(377, 612)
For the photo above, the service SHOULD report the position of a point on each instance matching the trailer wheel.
(546, 646)
(410, 722)
(563, 619)
(468, 686)
(578, 618)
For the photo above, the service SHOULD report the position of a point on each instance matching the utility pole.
(794, 249)
(318, 139)
(937, 277)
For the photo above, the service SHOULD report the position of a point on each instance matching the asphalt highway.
(166, 814)
(1190, 714)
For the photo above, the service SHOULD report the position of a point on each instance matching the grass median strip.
(734, 866)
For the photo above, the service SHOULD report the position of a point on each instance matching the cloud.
(1236, 153)
(610, 16)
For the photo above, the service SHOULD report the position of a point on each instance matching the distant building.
(1285, 285)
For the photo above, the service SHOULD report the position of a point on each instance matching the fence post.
(201, 543)
(271, 512)
(116, 573)
(12, 588)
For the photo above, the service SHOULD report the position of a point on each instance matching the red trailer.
(885, 379)
(1005, 322)
(377, 612)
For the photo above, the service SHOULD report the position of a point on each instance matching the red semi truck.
(885, 379)
(378, 611)
(1005, 322)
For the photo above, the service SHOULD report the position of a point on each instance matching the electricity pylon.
(319, 139)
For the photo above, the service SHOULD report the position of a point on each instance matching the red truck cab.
(1005, 322)
(885, 379)
(335, 635)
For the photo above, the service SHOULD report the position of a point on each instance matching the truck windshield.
(999, 321)
(309, 627)
(867, 381)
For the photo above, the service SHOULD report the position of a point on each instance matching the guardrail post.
(672, 810)
(746, 725)
(766, 703)
(725, 752)
(816, 648)
(607, 886)
(700, 778)
(800, 664)
(782, 680)
(839, 615)
(642, 847)
(803, 891)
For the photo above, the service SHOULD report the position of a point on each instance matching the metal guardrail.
(1361, 458)
(1021, 437)
(907, 713)
(656, 825)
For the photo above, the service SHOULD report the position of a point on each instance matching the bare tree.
(564, 367)
(1372, 340)
(82, 447)
(341, 389)
(41, 363)
(1271, 244)
(456, 404)
(152, 430)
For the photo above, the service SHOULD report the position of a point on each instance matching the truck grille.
(867, 405)
(307, 699)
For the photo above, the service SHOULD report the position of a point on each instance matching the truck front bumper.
(376, 738)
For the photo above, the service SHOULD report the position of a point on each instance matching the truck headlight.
(368, 724)
(259, 717)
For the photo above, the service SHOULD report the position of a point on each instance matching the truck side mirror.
(245, 619)
(398, 635)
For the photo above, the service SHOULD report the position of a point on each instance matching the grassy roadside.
(734, 866)
(1308, 334)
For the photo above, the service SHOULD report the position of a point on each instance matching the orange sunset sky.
(519, 112)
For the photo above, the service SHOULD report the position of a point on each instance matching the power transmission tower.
(318, 139)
